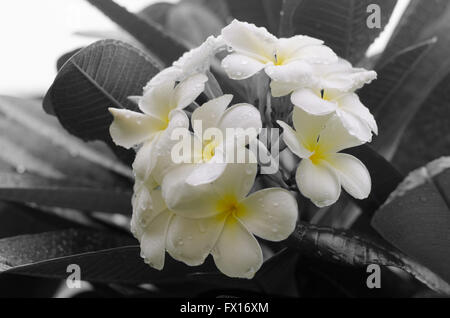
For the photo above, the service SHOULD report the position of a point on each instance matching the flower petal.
(243, 116)
(238, 178)
(131, 128)
(279, 89)
(312, 103)
(318, 182)
(315, 54)
(147, 205)
(247, 39)
(170, 74)
(335, 137)
(157, 100)
(308, 127)
(206, 172)
(210, 112)
(188, 90)
(199, 59)
(190, 240)
(293, 141)
(153, 240)
(342, 76)
(352, 104)
(354, 176)
(144, 161)
(239, 66)
(187, 200)
(290, 47)
(270, 214)
(237, 253)
(162, 154)
(354, 125)
(298, 72)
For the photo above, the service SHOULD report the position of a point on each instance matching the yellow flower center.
(316, 157)
(278, 59)
(325, 95)
(209, 150)
(229, 206)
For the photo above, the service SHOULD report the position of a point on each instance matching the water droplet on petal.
(21, 169)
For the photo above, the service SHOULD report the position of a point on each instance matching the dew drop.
(21, 169)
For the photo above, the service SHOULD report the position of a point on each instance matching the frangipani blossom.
(317, 140)
(256, 49)
(196, 61)
(210, 154)
(162, 112)
(150, 222)
(332, 91)
(220, 219)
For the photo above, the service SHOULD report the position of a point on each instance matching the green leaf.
(147, 32)
(415, 25)
(345, 247)
(416, 217)
(341, 24)
(101, 75)
(63, 193)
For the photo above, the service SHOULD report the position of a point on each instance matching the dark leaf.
(65, 57)
(416, 217)
(193, 23)
(263, 13)
(341, 24)
(404, 103)
(414, 25)
(156, 12)
(391, 74)
(29, 135)
(344, 247)
(102, 75)
(428, 135)
(63, 193)
(18, 220)
(34, 248)
(147, 32)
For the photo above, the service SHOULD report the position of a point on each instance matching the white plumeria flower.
(162, 112)
(196, 61)
(220, 219)
(332, 91)
(150, 222)
(256, 49)
(317, 140)
(210, 157)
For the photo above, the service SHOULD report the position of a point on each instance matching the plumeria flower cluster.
(204, 205)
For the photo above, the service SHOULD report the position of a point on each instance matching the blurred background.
(37, 33)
